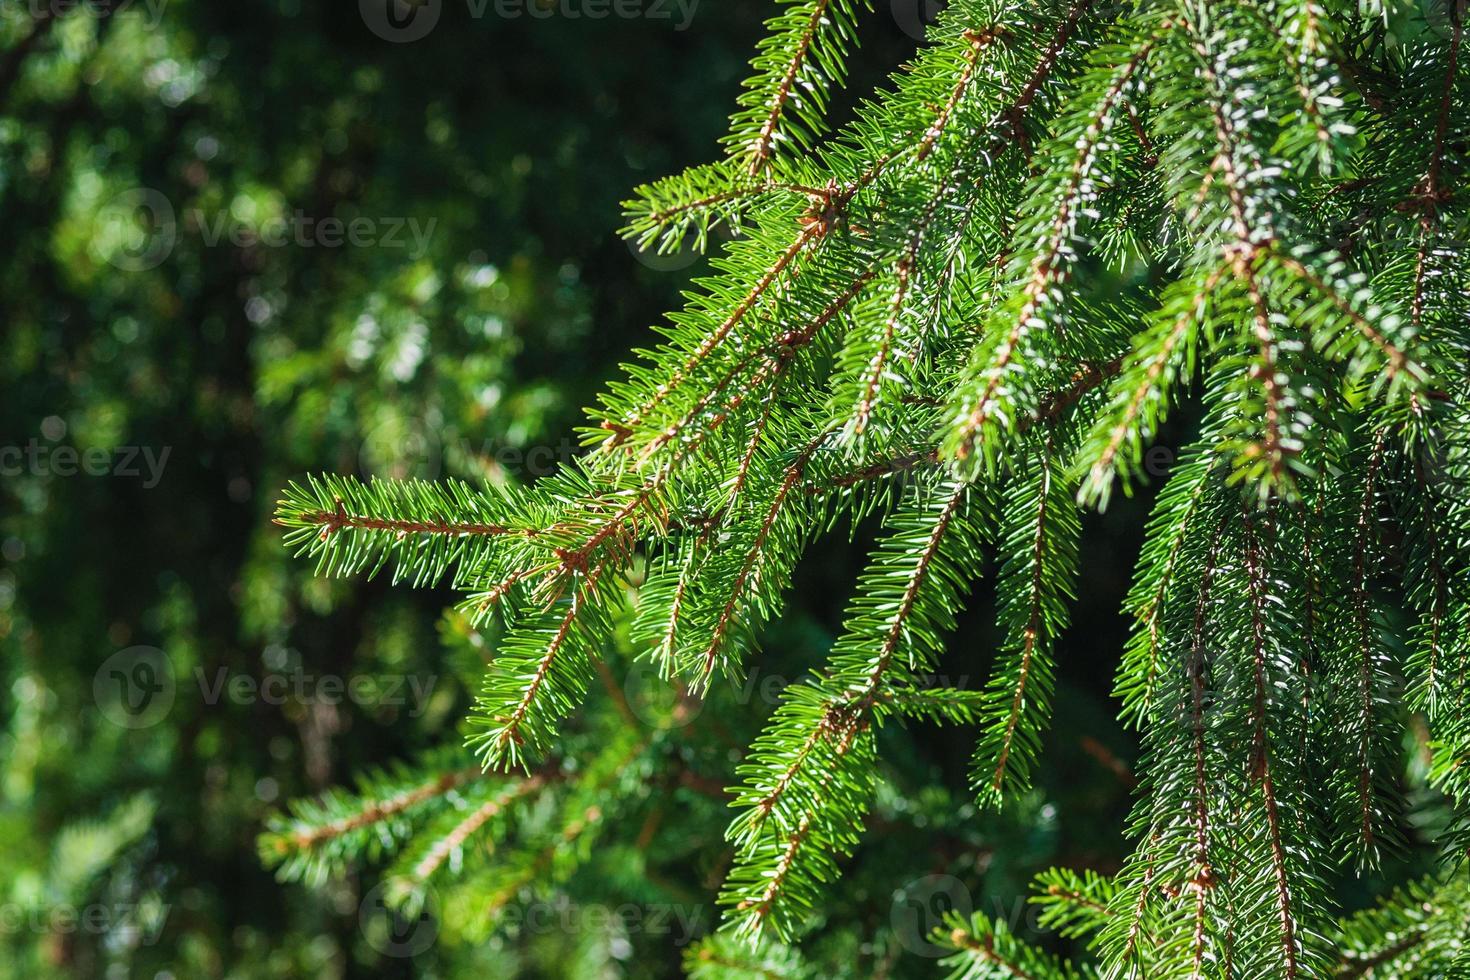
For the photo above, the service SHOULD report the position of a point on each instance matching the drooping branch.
(1032, 633)
(1261, 749)
(1046, 268)
(1204, 873)
(1363, 630)
(748, 568)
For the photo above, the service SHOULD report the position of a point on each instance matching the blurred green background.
(248, 241)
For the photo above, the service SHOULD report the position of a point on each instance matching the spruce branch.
(960, 319)
(1261, 750)
(315, 837)
(426, 531)
(1047, 267)
(800, 57)
(1035, 586)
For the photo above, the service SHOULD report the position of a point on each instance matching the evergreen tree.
(965, 315)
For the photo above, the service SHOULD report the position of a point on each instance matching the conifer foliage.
(966, 315)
